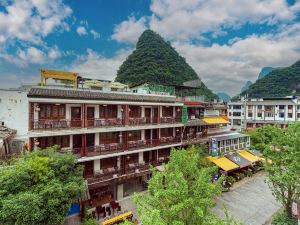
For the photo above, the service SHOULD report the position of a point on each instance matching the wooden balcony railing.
(104, 149)
(56, 124)
(109, 122)
(115, 172)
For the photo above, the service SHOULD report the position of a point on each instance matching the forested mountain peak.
(155, 61)
(279, 82)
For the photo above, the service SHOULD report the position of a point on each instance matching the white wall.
(14, 110)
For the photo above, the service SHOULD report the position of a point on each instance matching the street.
(250, 201)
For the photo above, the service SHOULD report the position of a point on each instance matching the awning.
(252, 158)
(255, 152)
(118, 219)
(223, 163)
(238, 159)
(215, 120)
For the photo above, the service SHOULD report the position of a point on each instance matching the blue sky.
(226, 42)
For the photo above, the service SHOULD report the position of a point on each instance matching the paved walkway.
(250, 201)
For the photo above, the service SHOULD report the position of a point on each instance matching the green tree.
(39, 188)
(182, 194)
(283, 167)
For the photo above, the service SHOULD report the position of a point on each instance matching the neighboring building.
(253, 113)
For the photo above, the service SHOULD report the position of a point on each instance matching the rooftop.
(69, 93)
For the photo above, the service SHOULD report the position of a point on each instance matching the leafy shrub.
(231, 179)
(248, 173)
(281, 218)
(90, 221)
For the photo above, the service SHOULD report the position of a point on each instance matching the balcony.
(115, 173)
(56, 124)
(99, 122)
(104, 149)
(109, 122)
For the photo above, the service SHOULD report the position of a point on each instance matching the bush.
(90, 221)
(281, 218)
(230, 180)
(248, 173)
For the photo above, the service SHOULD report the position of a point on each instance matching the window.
(250, 114)
(281, 114)
(108, 111)
(229, 113)
(114, 89)
(134, 111)
(52, 111)
(237, 106)
(166, 132)
(236, 113)
(259, 107)
(290, 115)
(168, 111)
(134, 135)
(281, 107)
(259, 114)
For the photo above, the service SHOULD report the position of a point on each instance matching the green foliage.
(278, 83)
(90, 221)
(283, 167)
(263, 136)
(156, 62)
(281, 218)
(230, 179)
(39, 188)
(181, 194)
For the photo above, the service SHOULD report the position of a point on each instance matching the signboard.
(214, 147)
(184, 114)
(295, 208)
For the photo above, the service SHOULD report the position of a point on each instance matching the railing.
(115, 172)
(104, 149)
(75, 151)
(109, 122)
(170, 119)
(56, 124)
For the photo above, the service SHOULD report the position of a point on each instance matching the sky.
(226, 42)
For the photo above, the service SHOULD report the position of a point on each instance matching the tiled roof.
(44, 92)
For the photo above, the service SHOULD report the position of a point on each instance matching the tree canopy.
(182, 194)
(281, 149)
(39, 188)
(155, 61)
(279, 82)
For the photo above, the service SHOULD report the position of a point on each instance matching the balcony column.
(174, 112)
(71, 141)
(97, 165)
(141, 157)
(119, 161)
(83, 147)
(158, 114)
(31, 115)
(125, 139)
(97, 112)
(142, 111)
(126, 114)
(142, 134)
(84, 115)
(97, 139)
(119, 112)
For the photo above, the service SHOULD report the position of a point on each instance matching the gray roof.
(255, 152)
(238, 159)
(68, 93)
(229, 136)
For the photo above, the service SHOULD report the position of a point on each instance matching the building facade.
(254, 113)
(116, 136)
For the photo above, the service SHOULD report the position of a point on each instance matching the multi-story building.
(253, 113)
(116, 135)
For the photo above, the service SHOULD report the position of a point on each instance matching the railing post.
(83, 150)
(158, 114)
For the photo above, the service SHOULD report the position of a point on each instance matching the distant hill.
(223, 96)
(246, 86)
(155, 61)
(280, 82)
(264, 71)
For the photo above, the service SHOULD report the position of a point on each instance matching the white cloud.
(81, 31)
(31, 20)
(183, 20)
(228, 67)
(95, 34)
(129, 30)
(94, 65)
(54, 53)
